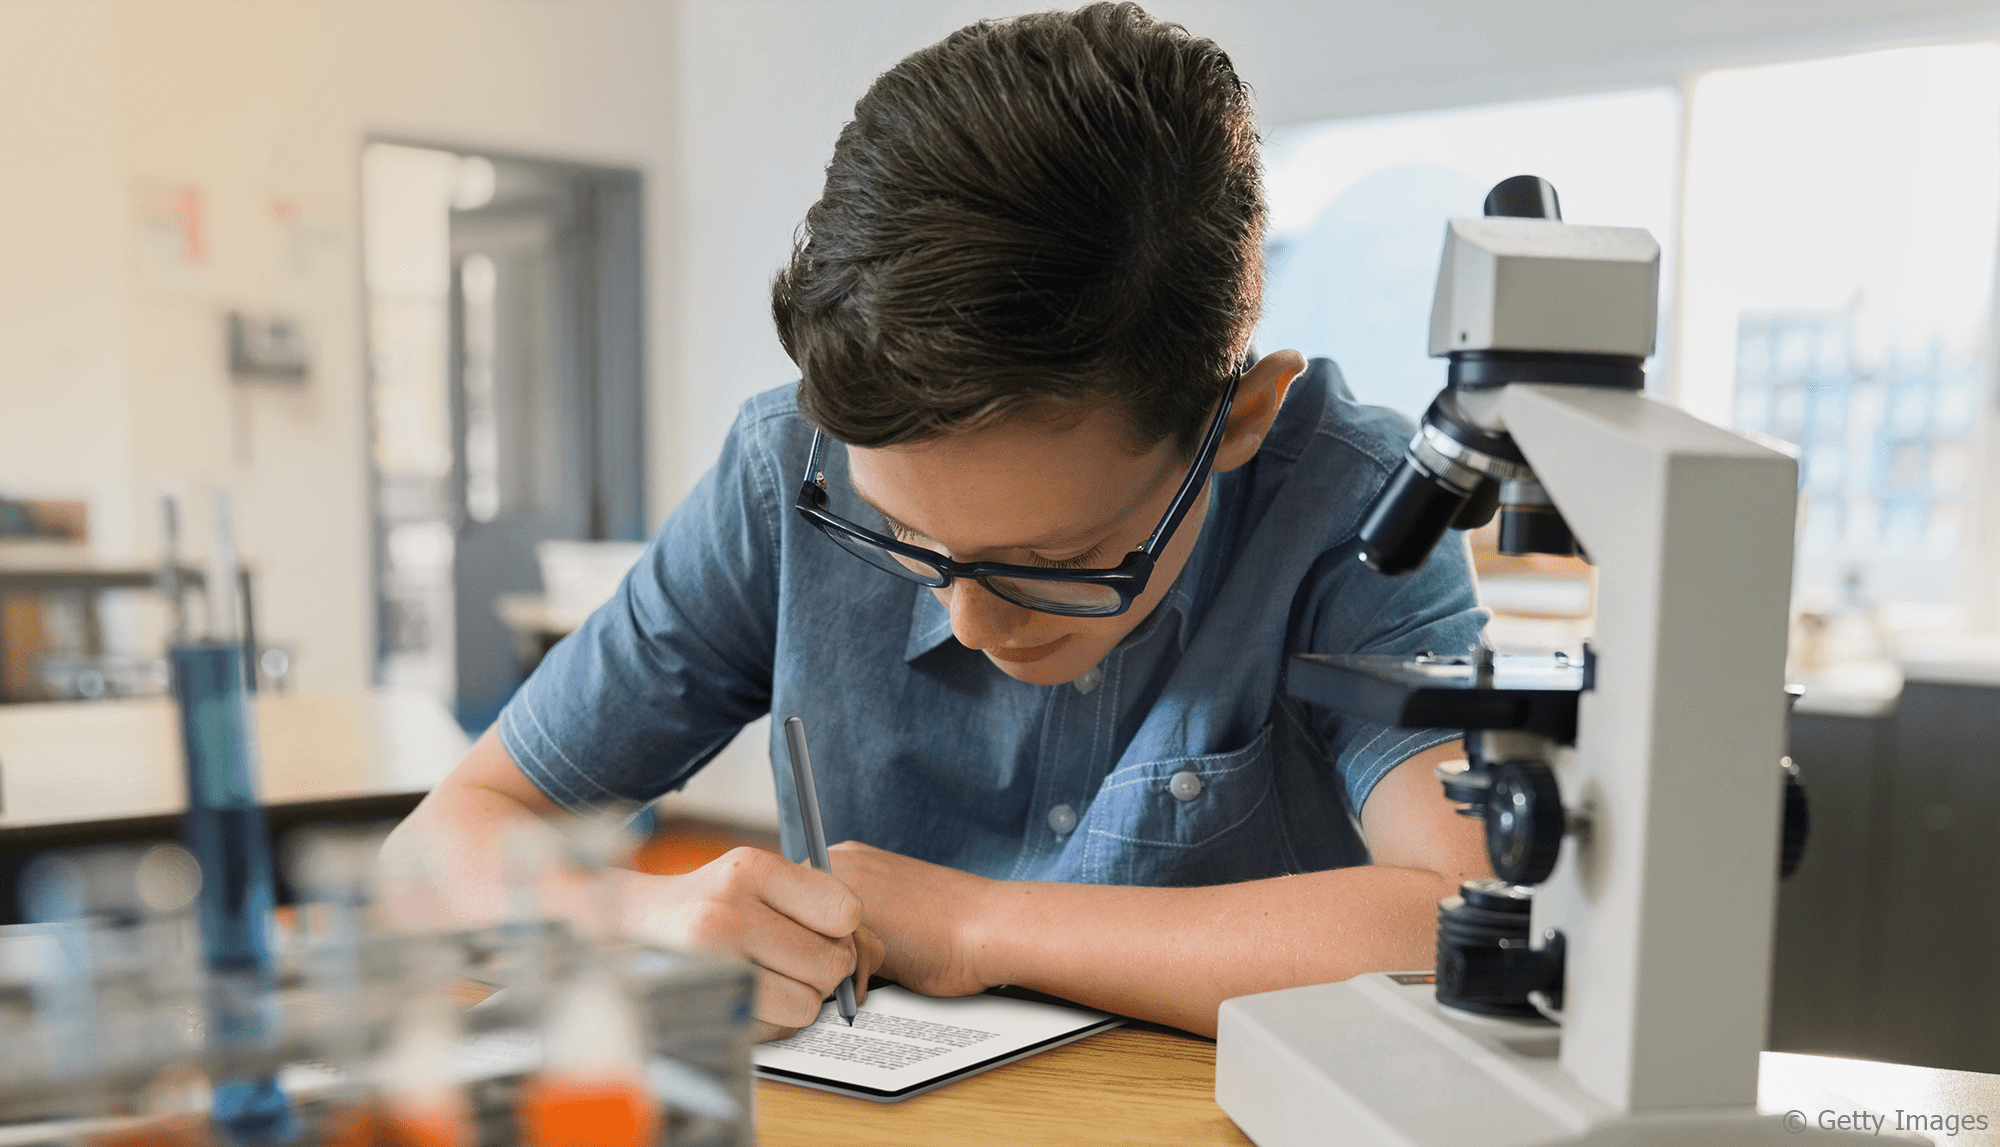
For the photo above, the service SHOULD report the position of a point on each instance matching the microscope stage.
(1537, 694)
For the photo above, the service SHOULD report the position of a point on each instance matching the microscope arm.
(1667, 909)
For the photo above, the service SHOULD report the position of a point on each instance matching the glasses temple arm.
(1184, 497)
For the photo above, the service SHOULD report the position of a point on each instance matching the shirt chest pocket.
(1186, 821)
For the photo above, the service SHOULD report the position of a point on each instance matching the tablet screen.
(903, 1044)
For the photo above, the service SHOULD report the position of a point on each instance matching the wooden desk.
(79, 773)
(1117, 1087)
(1133, 1087)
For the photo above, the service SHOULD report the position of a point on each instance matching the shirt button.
(1185, 785)
(1091, 678)
(1062, 819)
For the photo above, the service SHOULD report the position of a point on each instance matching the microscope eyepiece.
(1524, 197)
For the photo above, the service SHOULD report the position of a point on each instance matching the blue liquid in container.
(224, 828)
(255, 1111)
(224, 824)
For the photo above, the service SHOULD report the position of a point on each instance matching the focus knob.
(1485, 963)
(1524, 822)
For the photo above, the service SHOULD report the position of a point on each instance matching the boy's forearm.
(454, 836)
(462, 836)
(1172, 955)
(461, 833)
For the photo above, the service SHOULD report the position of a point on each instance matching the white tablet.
(903, 1044)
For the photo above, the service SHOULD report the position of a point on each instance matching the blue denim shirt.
(1178, 761)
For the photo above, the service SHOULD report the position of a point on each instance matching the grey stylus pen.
(802, 783)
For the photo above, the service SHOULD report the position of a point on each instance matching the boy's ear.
(1258, 397)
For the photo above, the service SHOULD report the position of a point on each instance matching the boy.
(1021, 312)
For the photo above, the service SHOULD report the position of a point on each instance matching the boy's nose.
(979, 619)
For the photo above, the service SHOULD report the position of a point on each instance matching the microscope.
(1612, 985)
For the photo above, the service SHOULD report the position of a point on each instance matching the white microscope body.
(1663, 890)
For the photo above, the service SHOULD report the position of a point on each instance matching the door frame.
(614, 358)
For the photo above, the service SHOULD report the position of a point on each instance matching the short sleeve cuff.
(1379, 749)
(538, 755)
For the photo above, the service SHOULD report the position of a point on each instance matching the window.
(1838, 247)
(1828, 255)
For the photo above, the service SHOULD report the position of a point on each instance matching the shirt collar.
(930, 624)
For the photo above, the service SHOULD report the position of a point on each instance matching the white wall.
(113, 382)
(65, 424)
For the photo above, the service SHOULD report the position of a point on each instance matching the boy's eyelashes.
(901, 532)
(906, 535)
(1081, 561)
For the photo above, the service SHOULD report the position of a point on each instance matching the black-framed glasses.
(1069, 592)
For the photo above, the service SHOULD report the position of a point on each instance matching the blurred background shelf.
(74, 775)
(54, 638)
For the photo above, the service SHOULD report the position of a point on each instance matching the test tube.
(330, 870)
(111, 984)
(224, 824)
(528, 859)
(224, 828)
(423, 1103)
(593, 1086)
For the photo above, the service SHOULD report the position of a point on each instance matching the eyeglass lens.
(1063, 596)
(1067, 596)
(894, 563)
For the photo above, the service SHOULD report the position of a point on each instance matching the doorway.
(506, 396)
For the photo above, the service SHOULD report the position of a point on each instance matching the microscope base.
(1376, 1063)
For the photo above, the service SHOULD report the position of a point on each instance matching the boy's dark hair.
(1043, 212)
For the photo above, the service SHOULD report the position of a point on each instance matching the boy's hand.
(928, 917)
(801, 928)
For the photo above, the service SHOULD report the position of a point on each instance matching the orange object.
(672, 853)
(429, 1127)
(171, 1131)
(559, 1112)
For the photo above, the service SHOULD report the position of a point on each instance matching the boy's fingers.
(794, 923)
(769, 1031)
(784, 1002)
(815, 899)
(785, 947)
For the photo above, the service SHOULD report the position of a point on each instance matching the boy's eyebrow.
(1047, 541)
